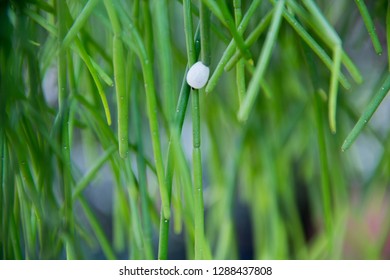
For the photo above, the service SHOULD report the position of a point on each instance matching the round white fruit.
(198, 75)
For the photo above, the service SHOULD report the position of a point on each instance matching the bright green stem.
(79, 22)
(369, 25)
(122, 98)
(334, 87)
(367, 114)
(196, 138)
(151, 99)
(179, 119)
(240, 69)
(147, 69)
(88, 62)
(198, 187)
(254, 85)
(153, 123)
(148, 30)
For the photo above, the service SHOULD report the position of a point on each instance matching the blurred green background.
(96, 136)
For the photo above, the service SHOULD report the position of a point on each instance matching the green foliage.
(264, 136)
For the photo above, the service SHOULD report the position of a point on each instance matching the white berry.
(198, 75)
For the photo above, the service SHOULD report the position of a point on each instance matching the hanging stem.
(122, 98)
(367, 114)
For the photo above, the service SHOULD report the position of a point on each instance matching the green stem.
(96, 227)
(122, 97)
(367, 114)
(334, 87)
(79, 22)
(196, 137)
(148, 30)
(151, 99)
(316, 48)
(326, 38)
(164, 56)
(252, 38)
(254, 85)
(177, 128)
(369, 25)
(90, 175)
(240, 68)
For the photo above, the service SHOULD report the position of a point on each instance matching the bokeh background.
(276, 186)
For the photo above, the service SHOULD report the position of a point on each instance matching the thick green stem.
(122, 98)
(164, 56)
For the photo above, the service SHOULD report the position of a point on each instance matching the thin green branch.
(367, 114)
(151, 100)
(79, 22)
(254, 85)
(369, 25)
(240, 68)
